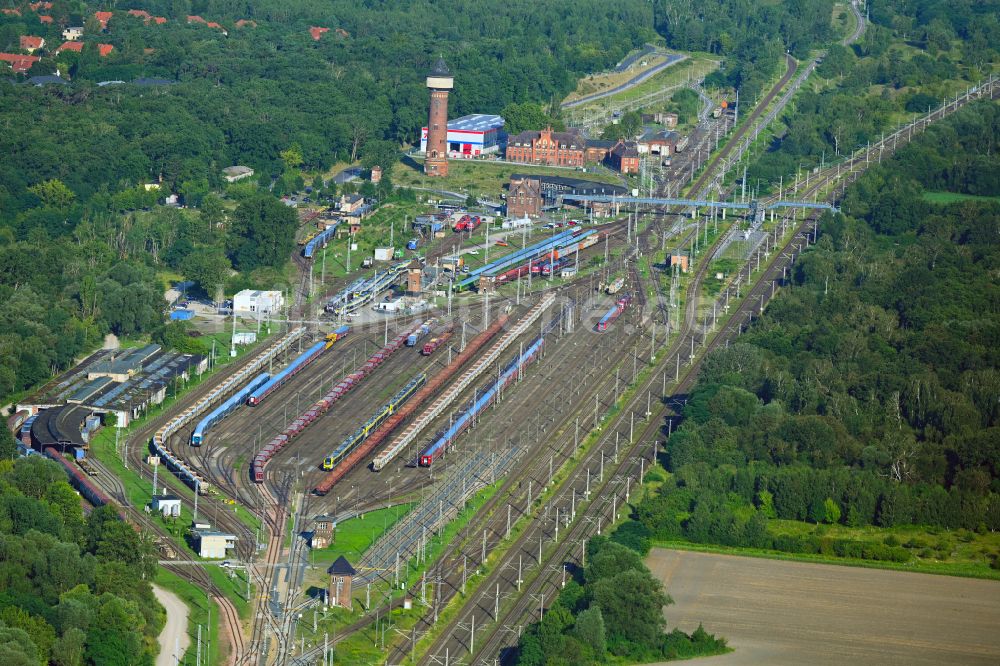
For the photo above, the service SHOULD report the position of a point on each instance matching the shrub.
(891, 540)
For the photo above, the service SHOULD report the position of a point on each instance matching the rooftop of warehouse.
(476, 122)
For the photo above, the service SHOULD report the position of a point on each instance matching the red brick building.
(547, 147)
(624, 157)
(439, 82)
(524, 197)
(341, 575)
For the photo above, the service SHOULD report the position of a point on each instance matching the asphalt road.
(672, 59)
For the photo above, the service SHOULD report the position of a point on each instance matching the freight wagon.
(320, 407)
(226, 408)
(87, 488)
(436, 342)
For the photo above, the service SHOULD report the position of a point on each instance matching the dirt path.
(174, 639)
(777, 612)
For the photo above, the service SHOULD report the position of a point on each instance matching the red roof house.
(195, 19)
(317, 32)
(19, 63)
(11, 12)
(213, 24)
(35, 6)
(242, 23)
(70, 46)
(159, 20)
(104, 49)
(29, 43)
(140, 13)
(45, 19)
(103, 18)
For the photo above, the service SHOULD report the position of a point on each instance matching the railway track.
(604, 509)
(187, 567)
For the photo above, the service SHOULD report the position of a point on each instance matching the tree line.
(611, 611)
(75, 588)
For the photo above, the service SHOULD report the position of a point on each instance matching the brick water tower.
(440, 82)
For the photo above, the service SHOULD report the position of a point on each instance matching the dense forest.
(84, 246)
(750, 36)
(610, 611)
(75, 588)
(867, 392)
(908, 60)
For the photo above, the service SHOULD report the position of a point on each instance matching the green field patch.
(953, 197)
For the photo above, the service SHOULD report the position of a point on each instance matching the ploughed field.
(781, 612)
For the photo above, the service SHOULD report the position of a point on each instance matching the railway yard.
(564, 395)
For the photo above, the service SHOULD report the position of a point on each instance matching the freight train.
(614, 312)
(158, 443)
(384, 412)
(87, 488)
(479, 403)
(318, 241)
(320, 407)
(304, 359)
(431, 346)
(226, 408)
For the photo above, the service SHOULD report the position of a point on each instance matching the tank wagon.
(480, 402)
(226, 408)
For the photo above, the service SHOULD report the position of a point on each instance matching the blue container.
(181, 315)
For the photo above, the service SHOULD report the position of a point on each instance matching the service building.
(471, 136)
(258, 302)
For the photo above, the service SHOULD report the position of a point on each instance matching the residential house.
(317, 33)
(7, 11)
(72, 33)
(103, 18)
(104, 49)
(19, 64)
(30, 43)
(76, 47)
(46, 20)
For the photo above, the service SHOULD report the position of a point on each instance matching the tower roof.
(341, 567)
(440, 68)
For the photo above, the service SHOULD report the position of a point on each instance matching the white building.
(471, 136)
(72, 34)
(214, 544)
(235, 173)
(251, 301)
(168, 505)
